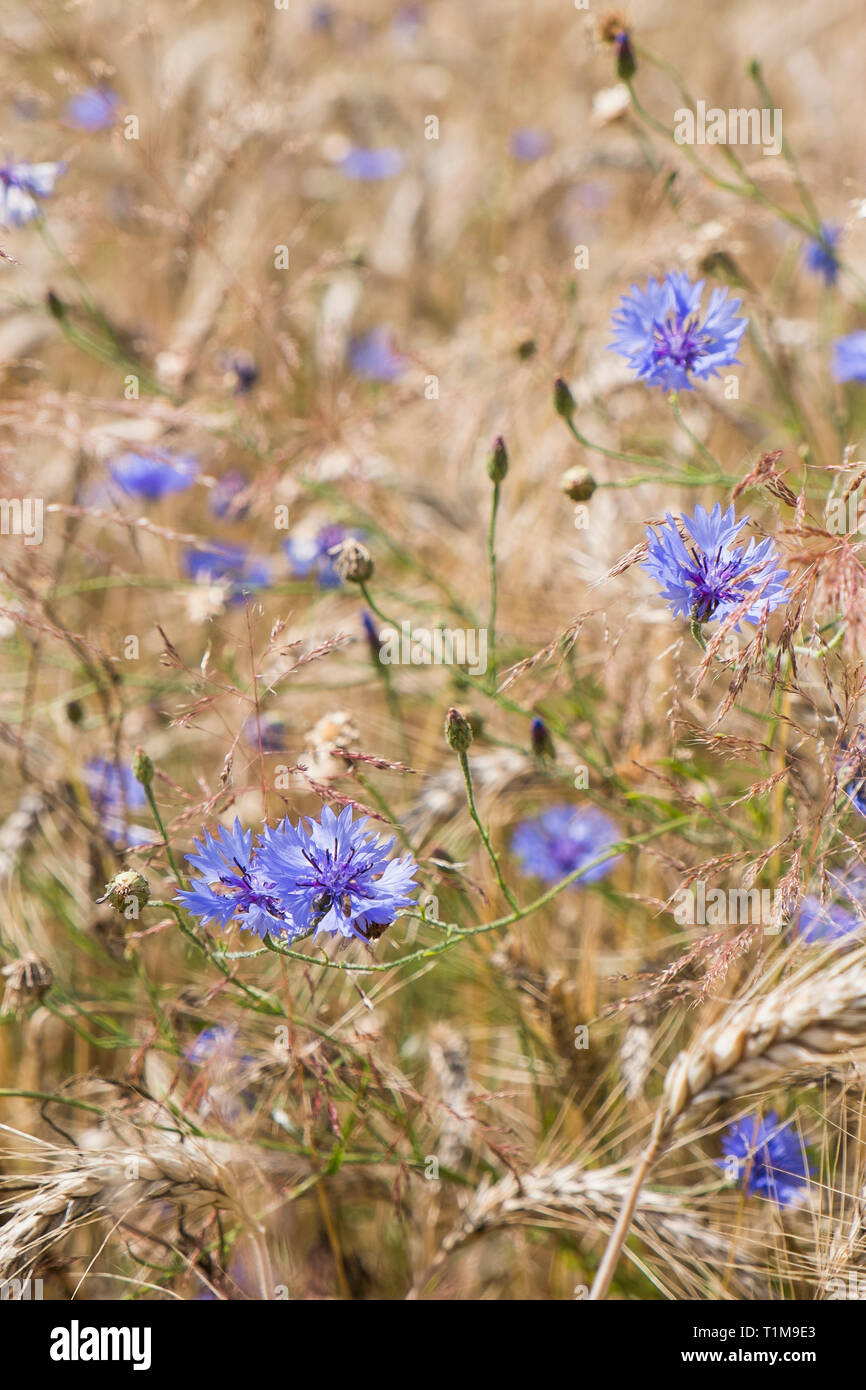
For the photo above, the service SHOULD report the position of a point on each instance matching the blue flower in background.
(770, 1156)
(114, 791)
(273, 733)
(20, 186)
(662, 336)
(310, 554)
(820, 255)
(224, 497)
(563, 839)
(371, 357)
(231, 886)
(155, 474)
(827, 921)
(529, 144)
(850, 764)
(336, 877)
(371, 166)
(93, 109)
(849, 357)
(710, 578)
(228, 564)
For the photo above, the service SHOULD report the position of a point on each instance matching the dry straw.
(812, 1019)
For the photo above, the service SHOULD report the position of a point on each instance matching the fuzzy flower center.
(714, 580)
(334, 880)
(678, 342)
(247, 893)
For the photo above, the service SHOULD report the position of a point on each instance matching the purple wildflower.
(770, 1156)
(232, 887)
(711, 577)
(371, 356)
(20, 186)
(311, 554)
(272, 731)
(114, 791)
(226, 497)
(849, 357)
(662, 336)
(336, 877)
(231, 565)
(564, 839)
(93, 109)
(529, 144)
(153, 475)
(371, 166)
(820, 255)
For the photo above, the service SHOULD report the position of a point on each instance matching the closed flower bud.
(542, 743)
(142, 767)
(458, 730)
(27, 979)
(563, 400)
(578, 484)
(497, 463)
(352, 561)
(613, 29)
(126, 887)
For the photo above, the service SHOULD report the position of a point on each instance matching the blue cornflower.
(272, 730)
(529, 144)
(660, 332)
(310, 554)
(563, 839)
(370, 166)
(820, 255)
(771, 1156)
(93, 109)
(155, 474)
(711, 578)
(231, 565)
(336, 877)
(827, 921)
(20, 186)
(371, 356)
(232, 887)
(849, 357)
(850, 767)
(114, 791)
(226, 498)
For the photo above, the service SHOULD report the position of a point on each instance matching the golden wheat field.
(433, 784)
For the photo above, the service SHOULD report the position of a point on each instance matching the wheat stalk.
(811, 1020)
(587, 1198)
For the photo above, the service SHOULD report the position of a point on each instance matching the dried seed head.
(578, 484)
(352, 561)
(125, 888)
(27, 979)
